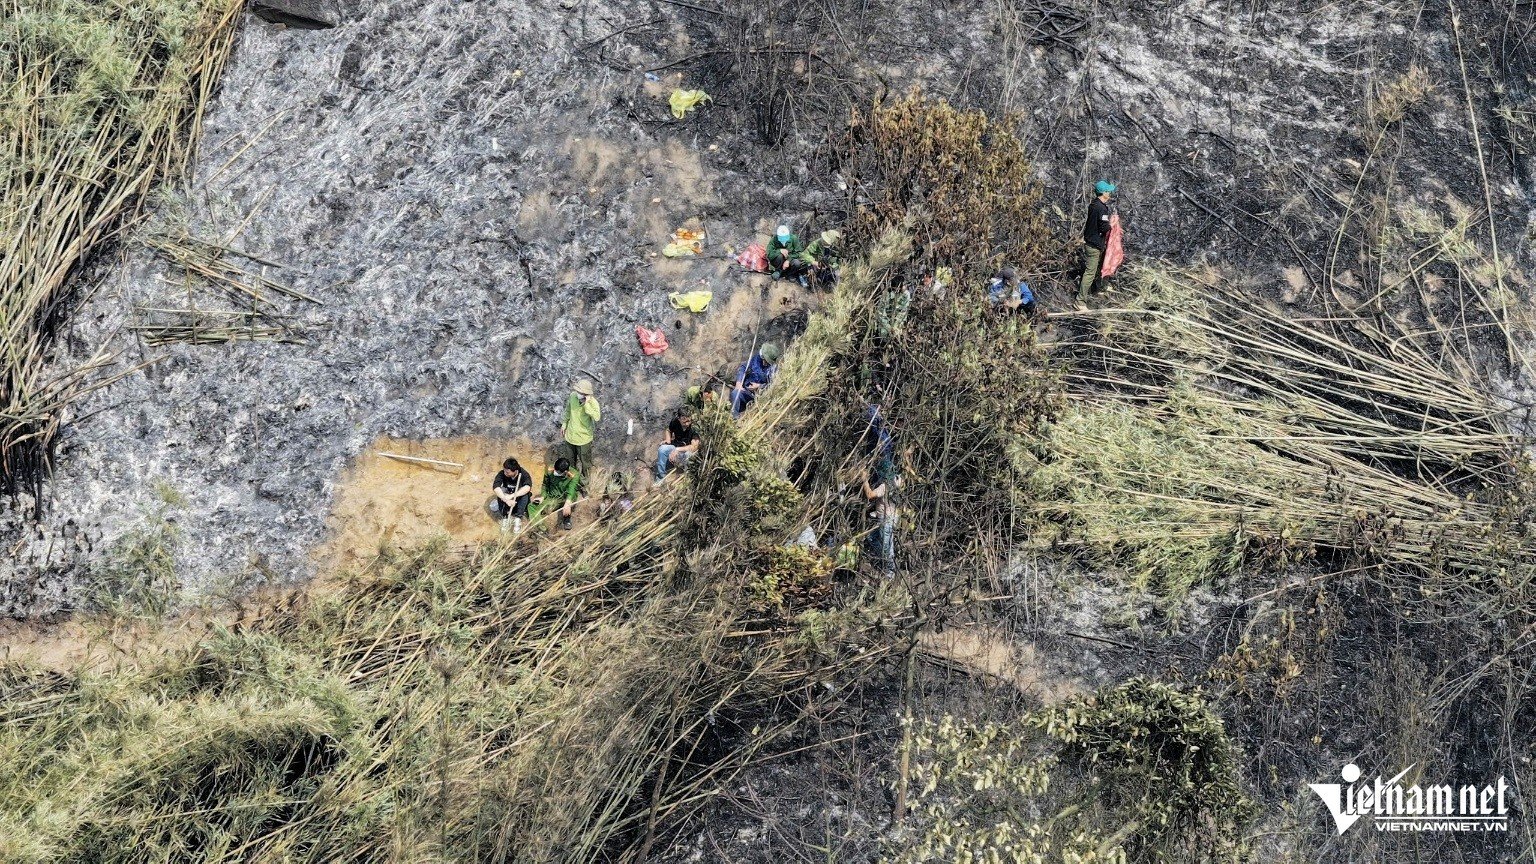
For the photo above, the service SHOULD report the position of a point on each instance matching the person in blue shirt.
(1005, 286)
(879, 490)
(753, 376)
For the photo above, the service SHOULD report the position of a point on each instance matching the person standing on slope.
(1095, 238)
(579, 423)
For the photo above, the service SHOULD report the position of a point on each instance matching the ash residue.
(404, 165)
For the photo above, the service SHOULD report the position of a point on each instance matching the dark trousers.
(795, 270)
(581, 459)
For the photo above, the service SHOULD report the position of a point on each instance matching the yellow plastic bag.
(678, 250)
(693, 301)
(683, 101)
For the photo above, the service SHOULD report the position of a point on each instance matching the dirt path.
(981, 650)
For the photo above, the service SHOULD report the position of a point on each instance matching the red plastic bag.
(1114, 249)
(754, 258)
(652, 342)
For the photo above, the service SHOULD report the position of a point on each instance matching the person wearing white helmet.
(786, 256)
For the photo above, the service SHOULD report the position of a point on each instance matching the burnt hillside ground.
(474, 192)
(402, 166)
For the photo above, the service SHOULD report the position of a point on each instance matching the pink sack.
(1114, 250)
(754, 258)
(652, 342)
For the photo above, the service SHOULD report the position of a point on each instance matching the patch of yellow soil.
(985, 651)
(383, 502)
(66, 646)
(99, 643)
(677, 171)
(721, 336)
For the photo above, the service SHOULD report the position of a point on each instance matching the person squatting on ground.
(561, 490)
(786, 256)
(753, 376)
(579, 423)
(1008, 293)
(512, 487)
(679, 445)
(699, 397)
(1095, 238)
(823, 255)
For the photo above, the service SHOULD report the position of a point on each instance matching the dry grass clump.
(546, 704)
(1210, 432)
(530, 706)
(97, 103)
(959, 181)
(1391, 101)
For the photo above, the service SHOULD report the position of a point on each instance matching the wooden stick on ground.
(420, 460)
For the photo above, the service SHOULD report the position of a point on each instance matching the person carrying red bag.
(1102, 222)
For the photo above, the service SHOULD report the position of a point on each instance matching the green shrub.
(1161, 759)
(1137, 772)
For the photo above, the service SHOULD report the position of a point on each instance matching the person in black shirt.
(678, 446)
(512, 488)
(1095, 237)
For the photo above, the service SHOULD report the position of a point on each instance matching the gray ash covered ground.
(403, 165)
(400, 167)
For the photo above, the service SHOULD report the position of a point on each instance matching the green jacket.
(820, 253)
(778, 250)
(555, 491)
(580, 419)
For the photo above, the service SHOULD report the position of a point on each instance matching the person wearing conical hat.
(823, 255)
(753, 376)
(579, 425)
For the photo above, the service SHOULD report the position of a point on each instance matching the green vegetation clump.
(1159, 760)
(1137, 772)
(793, 577)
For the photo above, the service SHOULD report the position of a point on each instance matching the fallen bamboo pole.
(420, 460)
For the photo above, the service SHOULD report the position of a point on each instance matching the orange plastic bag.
(1114, 249)
(652, 342)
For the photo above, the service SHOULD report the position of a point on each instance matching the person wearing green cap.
(1095, 237)
(579, 423)
(753, 376)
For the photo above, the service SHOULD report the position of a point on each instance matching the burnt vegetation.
(1315, 499)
